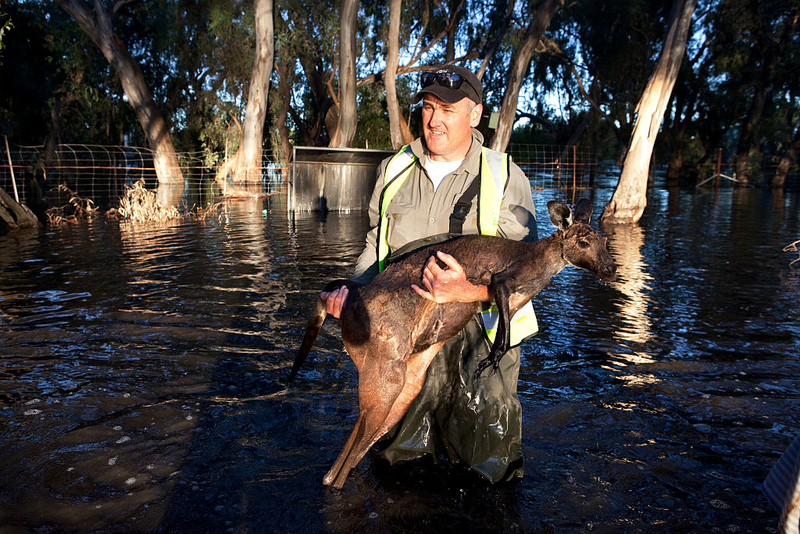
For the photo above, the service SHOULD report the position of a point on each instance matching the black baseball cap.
(450, 84)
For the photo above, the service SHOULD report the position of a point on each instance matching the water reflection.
(625, 243)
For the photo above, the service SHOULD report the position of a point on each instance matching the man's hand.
(334, 301)
(449, 284)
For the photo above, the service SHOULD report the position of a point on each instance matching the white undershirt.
(437, 170)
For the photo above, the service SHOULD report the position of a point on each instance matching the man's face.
(447, 128)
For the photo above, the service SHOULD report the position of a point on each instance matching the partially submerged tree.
(247, 162)
(348, 107)
(630, 197)
(96, 24)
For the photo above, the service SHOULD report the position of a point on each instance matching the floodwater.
(142, 369)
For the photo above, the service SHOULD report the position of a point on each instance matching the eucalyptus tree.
(248, 159)
(518, 70)
(305, 48)
(614, 46)
(398, 127)
(348, 110)
(755, 44)
(630, 197)
(96, 23)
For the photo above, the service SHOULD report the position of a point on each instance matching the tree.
(630, 197)
(520, 64)
(773, 33)
(97, 26)
(248, 159)
(787, 160)
(305, 44)
(398, 127)
(348, 108)
(5, 26)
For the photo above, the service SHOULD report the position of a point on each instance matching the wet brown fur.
(392, 334)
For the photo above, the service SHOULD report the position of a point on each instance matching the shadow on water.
(141, 387)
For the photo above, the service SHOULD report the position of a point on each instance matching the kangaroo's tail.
(312, 330)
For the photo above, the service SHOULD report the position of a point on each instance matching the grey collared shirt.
(419, 210)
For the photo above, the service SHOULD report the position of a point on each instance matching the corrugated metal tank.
(339, 179)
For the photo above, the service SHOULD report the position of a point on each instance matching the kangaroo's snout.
(607, 273)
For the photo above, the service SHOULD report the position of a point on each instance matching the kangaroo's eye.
(583, 244)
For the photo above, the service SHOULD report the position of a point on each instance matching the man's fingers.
(432, 267)
(335, 300)
(449, 260)
(422, 293)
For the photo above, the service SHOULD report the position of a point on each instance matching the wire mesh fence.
(556, 167)
(102, 172)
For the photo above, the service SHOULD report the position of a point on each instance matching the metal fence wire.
(100, 173)
(556, 167)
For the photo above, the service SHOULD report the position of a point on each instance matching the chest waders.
(490, 184)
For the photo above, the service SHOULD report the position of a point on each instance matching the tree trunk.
(97, 25)
(398, 128)
(14, 215)
(630, 196)
(752, 121)
(519, 68)
(348, 111)
(249, 156)
(392, 61)
(676, 154)
(285, 90)
(788, 160)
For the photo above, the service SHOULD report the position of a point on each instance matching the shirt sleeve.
(517, 212)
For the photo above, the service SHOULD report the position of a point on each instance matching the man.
(442, 184)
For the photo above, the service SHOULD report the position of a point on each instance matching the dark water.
(142, 367)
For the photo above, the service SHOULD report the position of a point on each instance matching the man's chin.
(435, 143)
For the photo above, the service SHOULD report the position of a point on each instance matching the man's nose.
(435, 117)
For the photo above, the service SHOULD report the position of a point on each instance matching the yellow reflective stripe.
(494, 173)
(393, 178)
(523, 323)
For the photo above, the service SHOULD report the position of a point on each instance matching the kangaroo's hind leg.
(377, 420)
(381, 381)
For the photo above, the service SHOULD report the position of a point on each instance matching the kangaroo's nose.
(610, 272)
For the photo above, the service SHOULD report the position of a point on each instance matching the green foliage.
(197, 57)
(372, 119)
(5, 26)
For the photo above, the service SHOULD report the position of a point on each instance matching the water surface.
(141, 383)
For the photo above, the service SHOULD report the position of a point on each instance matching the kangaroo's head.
(582, 245)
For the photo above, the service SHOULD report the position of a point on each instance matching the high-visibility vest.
(493, 177)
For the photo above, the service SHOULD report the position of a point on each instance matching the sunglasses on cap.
(448, 79)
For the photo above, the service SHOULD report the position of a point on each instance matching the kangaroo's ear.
(560, 214)
(583, 211)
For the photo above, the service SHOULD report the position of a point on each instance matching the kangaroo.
(392, 334)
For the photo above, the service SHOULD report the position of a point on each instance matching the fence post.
(11, 168)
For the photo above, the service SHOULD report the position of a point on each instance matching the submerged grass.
(76, 208)
(139, 204)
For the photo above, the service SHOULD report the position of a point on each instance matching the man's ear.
(475, 115)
